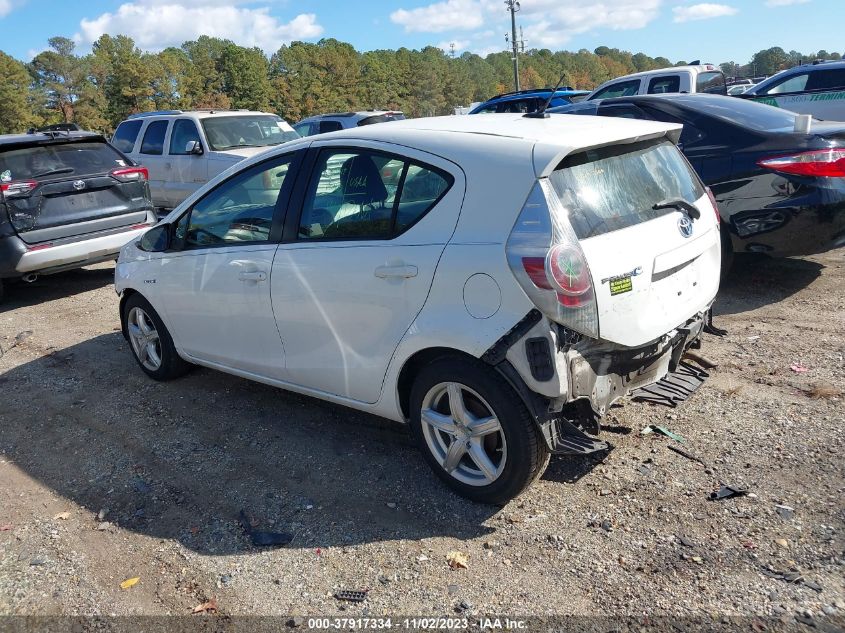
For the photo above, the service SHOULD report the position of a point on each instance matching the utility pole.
(513, 7)
(452, 50)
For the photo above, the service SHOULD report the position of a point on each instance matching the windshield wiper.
(55, 172)
(681, 205)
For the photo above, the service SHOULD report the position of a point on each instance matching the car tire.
(495, 466)
(150, 342)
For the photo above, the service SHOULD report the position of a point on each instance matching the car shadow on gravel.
(756, 281)
(181, 460)
(48, 288)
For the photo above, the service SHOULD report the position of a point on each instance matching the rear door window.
(126, 135)
(712, 83)
(330, 126)
(381, 118)
(612, 188)
(831, 79)
(361, 194)
(153, 142)
(664, 84)
(621, 89)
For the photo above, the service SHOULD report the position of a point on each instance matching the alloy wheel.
(463, 434)
(144, 338)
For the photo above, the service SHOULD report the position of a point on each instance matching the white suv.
(184, 150)
(495, 281)
(690, 79)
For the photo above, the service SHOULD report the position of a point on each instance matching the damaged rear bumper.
(563, 376)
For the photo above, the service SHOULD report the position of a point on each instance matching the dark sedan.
(780, 191)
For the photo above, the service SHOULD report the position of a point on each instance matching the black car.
(779, 191)
(67, 199)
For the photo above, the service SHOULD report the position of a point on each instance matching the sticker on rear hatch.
(620, 285)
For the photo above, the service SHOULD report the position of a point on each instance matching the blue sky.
(714, 31)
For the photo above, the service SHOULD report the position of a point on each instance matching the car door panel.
(343, 306)
(216, 292)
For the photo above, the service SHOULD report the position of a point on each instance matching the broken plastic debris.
(457, 560)
(727, 492)
(6, 528)
(799, 368)
(64, 516)
(353, 595)
(662, 430)
(263, 539)
(211, 605)
(129, 582)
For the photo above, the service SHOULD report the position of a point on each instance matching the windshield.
(615, 187)
(226, 132)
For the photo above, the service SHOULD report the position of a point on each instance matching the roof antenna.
(540, 113)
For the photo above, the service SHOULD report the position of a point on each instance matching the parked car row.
(497, 282)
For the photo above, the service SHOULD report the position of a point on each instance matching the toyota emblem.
(685, 226)
(79, 185)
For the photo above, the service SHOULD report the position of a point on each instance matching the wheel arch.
(412, 366)
(124, 297)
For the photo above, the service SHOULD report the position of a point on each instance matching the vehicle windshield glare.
(227, 132)
(612, 188)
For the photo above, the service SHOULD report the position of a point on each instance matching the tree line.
(99, 89)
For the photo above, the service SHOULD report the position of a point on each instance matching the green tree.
(770, 61)
(60, 75)
(15, 105)
(246, 81)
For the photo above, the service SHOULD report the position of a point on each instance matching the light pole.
(513, 7)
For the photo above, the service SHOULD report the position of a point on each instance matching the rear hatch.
(64, 188)
(619, 268)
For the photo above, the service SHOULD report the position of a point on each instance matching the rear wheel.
(474, 431)
(150, 341)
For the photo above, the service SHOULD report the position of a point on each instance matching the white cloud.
(156, 24)
(7, 6)
(784, 3)
(449, 15)
(703, 11)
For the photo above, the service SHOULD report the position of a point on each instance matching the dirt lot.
(168, 468)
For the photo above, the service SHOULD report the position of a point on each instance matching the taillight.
(714, 203)
(569, 269)
(40, 247)
(18, 188)
(131, 174)
(828, 163)
(535, 268)
(545, 256)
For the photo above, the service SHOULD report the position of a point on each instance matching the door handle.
(252, 275)
(403, 271)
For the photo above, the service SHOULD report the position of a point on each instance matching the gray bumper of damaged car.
(552, 367)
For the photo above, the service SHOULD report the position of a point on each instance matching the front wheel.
(474, 431)
(150, 341)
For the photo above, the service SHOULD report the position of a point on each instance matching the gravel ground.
(106, 475)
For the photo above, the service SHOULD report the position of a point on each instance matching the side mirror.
(193, 147)
(156, 240)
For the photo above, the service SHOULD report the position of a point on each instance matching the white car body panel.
(344, 335)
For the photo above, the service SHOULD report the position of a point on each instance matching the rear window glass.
(65, 160)
(153, 142)
(381, 118)
(612, 188)
(713, 83)
(667, 83)
(125, 135)
(330, 126)
(744, 113)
